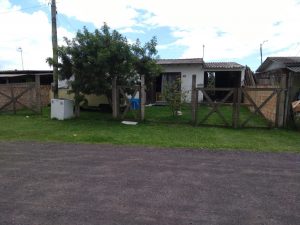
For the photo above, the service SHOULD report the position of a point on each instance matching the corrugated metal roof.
(284, 61)
(19, 73)
(180, 61)
(295, 69)
(222, 65)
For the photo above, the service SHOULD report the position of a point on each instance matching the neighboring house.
(227, 74)
(22, 76)
(64, 88)
(280, 71)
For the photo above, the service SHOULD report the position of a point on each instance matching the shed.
(283, 72)
(280, 70)
(223, 75)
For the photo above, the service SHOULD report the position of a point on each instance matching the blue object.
(135, 103)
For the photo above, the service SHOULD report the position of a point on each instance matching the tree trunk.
(77, 110)
(77, 104)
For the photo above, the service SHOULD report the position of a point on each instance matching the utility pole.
(21, 51)
(54, 47)
(260, 48)
(203, 51)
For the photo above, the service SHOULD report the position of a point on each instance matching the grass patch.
(160, 129)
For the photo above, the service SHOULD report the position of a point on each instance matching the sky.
(230, 30)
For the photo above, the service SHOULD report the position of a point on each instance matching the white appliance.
(62, 109)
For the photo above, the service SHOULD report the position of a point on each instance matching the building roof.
(222, 65)
(180, 61)
(282, 62)
(295, 69)
(18, 73)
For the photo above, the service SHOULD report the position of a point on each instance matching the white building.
(227, 75)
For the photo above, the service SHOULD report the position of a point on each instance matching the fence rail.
(25, 95)
(239, 97)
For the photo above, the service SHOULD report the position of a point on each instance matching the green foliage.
(174, 96)
(297, 120)
(211, 83)
(145, 58)
(94, 59)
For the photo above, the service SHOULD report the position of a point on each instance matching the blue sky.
(231, 30)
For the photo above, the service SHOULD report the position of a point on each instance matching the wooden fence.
(119, 92)
(237, 95)
(14, 96)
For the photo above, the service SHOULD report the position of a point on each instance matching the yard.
(160, 130)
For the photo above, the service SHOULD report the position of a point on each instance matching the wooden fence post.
(142, 97)
(234, 108)
(13, 98)
(277, 115)
(238, 107)
(114, 98)
(194, 100)
(38, 93)
(287, 108)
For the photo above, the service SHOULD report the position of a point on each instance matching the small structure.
(280, 69)
(226, 74)
(182, 69)
(62, 109)
(24, 89)
(281, 72)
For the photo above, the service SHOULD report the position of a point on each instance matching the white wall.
(187, 71)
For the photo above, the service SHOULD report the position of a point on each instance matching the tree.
(145, 62)
(94, 59)
(174, 96)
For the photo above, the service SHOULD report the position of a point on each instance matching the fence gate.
(120, 93)
(258, 108)
(13, 95)
(215, 105)
(237, 101)
(128, 103)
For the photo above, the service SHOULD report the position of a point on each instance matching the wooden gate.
(11, 96)
(127, 105)
(215, 105)
(119, 93)
(257, 108)
(239, 97)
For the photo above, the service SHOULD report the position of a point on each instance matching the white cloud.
(131, 30)
(31, 32)
(116, 13)
(231, 29)
(245, 23)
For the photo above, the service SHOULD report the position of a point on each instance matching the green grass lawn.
(160, 129)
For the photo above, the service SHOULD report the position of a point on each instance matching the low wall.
(28, 98)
